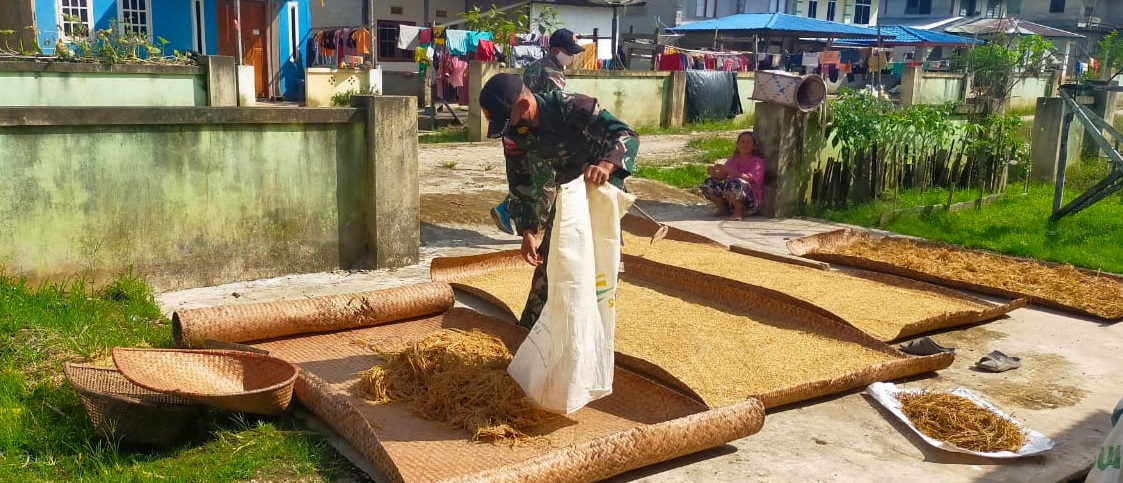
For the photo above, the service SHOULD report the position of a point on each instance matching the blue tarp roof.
(893, 35)
(777, 24)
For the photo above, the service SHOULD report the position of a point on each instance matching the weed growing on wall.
(114, 45)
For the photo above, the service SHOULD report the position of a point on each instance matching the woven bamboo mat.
(641, 423)
(912, 307)
(715, 340)
(1047, 284)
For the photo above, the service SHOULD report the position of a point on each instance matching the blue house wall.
(171, 20)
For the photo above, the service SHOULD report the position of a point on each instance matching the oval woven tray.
(232, 380)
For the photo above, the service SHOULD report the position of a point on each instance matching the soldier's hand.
(598, 173)
(529, 249)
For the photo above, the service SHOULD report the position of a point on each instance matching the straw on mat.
(888, 308)
(711, 339)
(232, 380)
(1034, 279)
(641, 423)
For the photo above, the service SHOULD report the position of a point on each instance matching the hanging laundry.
(485, 51)
(810, 59)
(828, 57)
(362, 41)
(425, 37)
(848, 56)
(408, 37)
(457, 41)
(456, 69)
(473, 39)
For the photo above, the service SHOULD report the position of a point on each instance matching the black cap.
(497, 98)
(565, 39)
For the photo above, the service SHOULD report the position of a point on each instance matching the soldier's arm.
(523, 204)
(619, 143)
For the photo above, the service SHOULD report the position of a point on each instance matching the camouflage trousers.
(536, 300)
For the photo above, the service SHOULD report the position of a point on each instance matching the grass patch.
(685, 176)
(1017, 224)
(45, 434)
(705, 126)
(444, 135)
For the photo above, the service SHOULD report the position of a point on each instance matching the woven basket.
(123, 411)
(232, 380)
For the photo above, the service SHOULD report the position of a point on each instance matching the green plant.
(1111, 54)
(489, 166)
(113, 45)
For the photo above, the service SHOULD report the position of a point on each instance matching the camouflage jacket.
(573, 132)
(544, 75)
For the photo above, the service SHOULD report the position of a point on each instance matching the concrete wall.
(637, 98)
(938, 88)
(201, 196)
(74, 84)
(1025, 93)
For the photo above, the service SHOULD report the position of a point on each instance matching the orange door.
(255, 47)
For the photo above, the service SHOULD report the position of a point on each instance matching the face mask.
(564, 59)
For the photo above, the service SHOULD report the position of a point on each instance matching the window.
(442, 13)
(967, 8)
(294, 32)
(396, 10)
(388, 42)
(74, 17)
(994, 9)
(198, 28)
(830, 9)
(1057, 6)
(1013, 8)
(918, 7)
(705, 8)
(133, 16)
(812, 8)
(862, 12)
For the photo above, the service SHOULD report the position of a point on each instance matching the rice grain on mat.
(459, 378)
(509, 285)
(1099, 295)
(957, 420)
(723, 354)
(875, 308)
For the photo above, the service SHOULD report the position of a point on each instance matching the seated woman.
(737, 186)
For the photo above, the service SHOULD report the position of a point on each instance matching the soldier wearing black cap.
(551, 139)
(542, 76)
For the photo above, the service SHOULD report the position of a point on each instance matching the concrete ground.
(1070, 378)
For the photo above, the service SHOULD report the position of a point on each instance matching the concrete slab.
(1070, 379)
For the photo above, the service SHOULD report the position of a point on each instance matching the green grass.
(444, 135)
(45, 434)
(1019, 224)
(870, 214)
(707, 126)
(690, 174)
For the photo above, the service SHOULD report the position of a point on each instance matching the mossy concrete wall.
(192, 197)
(76, 84)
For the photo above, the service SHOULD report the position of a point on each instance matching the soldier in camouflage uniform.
(542, 76)
(564, 134)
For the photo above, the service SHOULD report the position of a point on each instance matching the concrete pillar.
(222, 80)
(674, 112)
(478, 74)
(393, 215)
(781, 131)
(1045, 143)
(1103, 104)
(910, 85)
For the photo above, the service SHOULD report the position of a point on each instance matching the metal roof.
(1010, 25)
(777, 24)
(901, 35)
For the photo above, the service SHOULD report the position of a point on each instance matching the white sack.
(567, 359)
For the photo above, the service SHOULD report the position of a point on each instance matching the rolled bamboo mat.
(655, 320)
(886, 308)
(259, 321)
(824, 246)
(641, 423)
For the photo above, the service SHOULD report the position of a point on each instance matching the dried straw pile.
(1098, 295)
(959, 421)
(845, 296)
(459, 378)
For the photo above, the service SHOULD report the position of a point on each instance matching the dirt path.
(460, 182)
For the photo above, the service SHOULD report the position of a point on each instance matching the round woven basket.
(232, 380)
(122, 411)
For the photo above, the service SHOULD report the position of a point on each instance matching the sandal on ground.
(996, 361)
(924, 347)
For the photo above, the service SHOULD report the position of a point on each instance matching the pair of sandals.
(996, 361)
